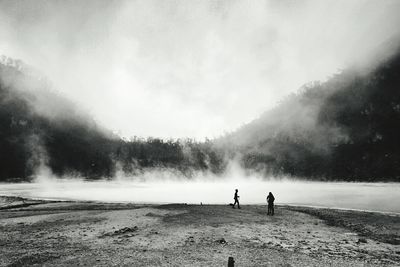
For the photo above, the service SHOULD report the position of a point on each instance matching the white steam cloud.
(190, 68)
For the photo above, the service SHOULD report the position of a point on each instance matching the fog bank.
(252, 190)
(191, 68)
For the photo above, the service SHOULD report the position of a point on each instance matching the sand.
(46, 233)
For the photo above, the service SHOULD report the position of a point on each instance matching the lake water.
(365, 196)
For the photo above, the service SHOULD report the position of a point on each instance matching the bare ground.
(99, 234)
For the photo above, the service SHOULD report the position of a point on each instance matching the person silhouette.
(270, 200)
(236, 198)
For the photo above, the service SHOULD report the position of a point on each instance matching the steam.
(371, 196)
(32, 86)
(191, 68)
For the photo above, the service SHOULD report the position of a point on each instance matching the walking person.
(270, 200)
(236, 198)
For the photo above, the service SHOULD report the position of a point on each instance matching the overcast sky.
(190, 68)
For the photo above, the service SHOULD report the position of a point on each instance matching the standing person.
(270, 200)
(236, 198)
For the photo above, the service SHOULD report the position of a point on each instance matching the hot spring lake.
(382, 197)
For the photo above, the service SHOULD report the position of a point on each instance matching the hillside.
(41, 128)
(346, 128)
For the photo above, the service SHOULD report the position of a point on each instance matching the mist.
(162, 187)
(191, 69)
(155, 131)
(198, 69)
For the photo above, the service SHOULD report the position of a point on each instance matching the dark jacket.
(270, 199)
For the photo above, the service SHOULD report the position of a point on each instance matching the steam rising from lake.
(365, 196)
(191, 68)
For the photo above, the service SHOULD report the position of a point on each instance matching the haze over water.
(365, 196)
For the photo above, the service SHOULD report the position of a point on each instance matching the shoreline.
(38, 199)
(73, 233)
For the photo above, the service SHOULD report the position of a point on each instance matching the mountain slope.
(40, 127)
(346, 128)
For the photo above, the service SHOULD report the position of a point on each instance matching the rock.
(221, 241)
(362, 240)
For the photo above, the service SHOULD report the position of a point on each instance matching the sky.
(176, 68)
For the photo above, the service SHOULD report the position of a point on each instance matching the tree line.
(346, 128)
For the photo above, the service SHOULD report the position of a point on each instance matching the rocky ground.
(98, 234)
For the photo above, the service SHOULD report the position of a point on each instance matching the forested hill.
(39, 127)
(347, 128)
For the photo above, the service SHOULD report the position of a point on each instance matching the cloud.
(190, 68)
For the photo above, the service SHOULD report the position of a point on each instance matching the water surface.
(365, 196)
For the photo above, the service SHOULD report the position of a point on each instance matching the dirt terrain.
(46, 233)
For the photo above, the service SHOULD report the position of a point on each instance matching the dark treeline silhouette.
(368, 110)
(185, 156)
(40, 127)
(346, 128)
